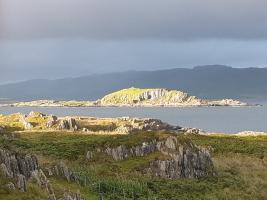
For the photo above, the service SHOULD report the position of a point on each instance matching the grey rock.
(118, 153)
(52, 120)
(89, 155)
(16, 164)
(5, 171)
(72, 196)
(65, 172)
(171, 143)
(184, 162)
(25, 124)
(21, 183)
(69, 124)
(10, 186)
(40, 178)
(122, 152)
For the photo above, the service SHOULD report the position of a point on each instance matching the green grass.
(240, 164)
(251, 145)
(72, 146)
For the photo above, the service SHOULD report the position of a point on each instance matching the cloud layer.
(133, 19)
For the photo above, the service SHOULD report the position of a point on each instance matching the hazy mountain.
(214, 81)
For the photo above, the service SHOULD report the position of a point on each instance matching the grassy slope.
(240, 163)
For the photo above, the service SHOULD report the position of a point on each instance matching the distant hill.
(213, 82)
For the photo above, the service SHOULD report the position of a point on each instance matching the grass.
(240, 164)
(72, 146)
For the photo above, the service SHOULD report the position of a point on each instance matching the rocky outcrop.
(25, 124)
(194, 131)
(72, 196)
(14, 164)
(18, 167)
(52, 120)
(21, 183)
(181, 161)
(122, 152)
(42, 181)
(68, 124)
(62, 170)
(147, 124)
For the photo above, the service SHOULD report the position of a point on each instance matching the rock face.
(122, 152)
(13, 164)
(181, 161)
(18, 167)
(183, 164)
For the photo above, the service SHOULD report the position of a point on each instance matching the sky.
(69, 38)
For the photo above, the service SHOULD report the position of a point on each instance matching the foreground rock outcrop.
(181, 160)
(13, 165)
(22, 168)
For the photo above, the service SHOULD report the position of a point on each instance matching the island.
(137, 97)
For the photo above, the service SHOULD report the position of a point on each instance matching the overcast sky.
(63, 38)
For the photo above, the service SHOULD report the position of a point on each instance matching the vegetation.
(240, 164)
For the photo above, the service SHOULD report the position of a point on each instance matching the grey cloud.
(133, 19)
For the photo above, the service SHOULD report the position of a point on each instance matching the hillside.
(160, 97)
(81, 158)
(205, 82)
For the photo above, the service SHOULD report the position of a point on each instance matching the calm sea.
(217, 119)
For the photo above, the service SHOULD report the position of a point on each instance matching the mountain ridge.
(203, 81)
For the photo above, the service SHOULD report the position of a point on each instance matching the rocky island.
(136, 97)
(78, 158)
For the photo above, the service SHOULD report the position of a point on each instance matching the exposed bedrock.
(181, 160)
